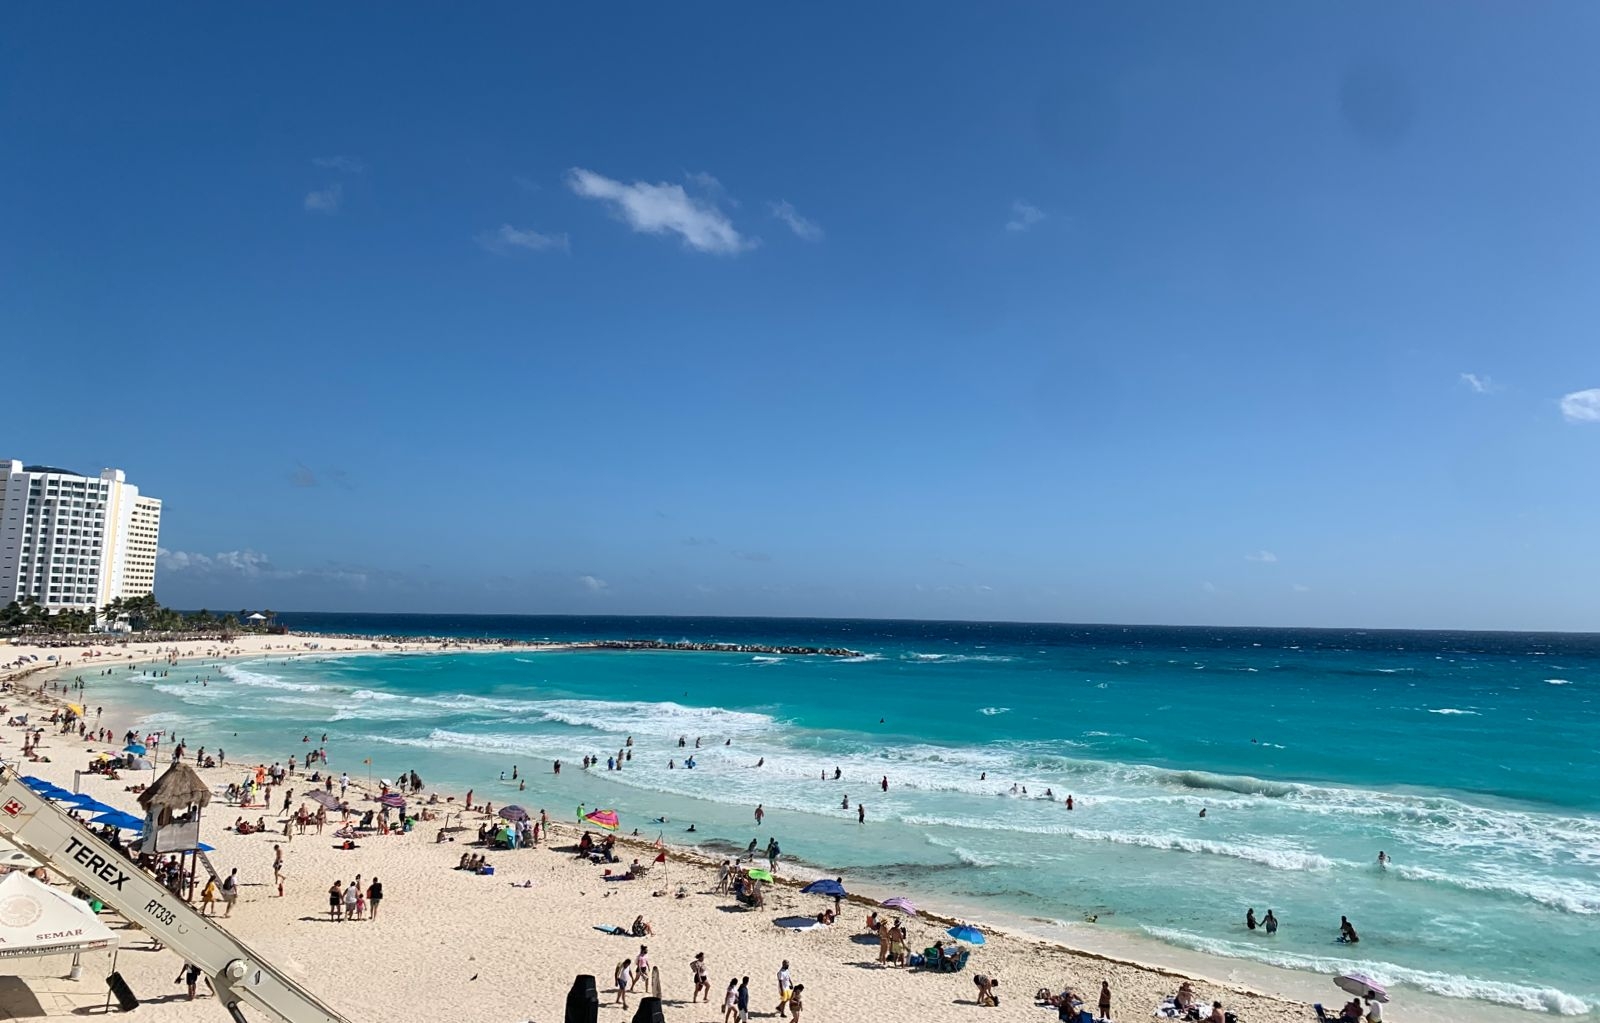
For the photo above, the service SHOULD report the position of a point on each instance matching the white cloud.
(713, 188)
(1300, 588)
(803, 228)
(1024, 215)
(1582, 406)
(325, 200)
(592, 584)
(348, 164)
(1210, 587)
(508, 238)
(1479, 384)
(240, 562)
(1265, 557)
(663, 208)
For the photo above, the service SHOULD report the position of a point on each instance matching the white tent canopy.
(36, 920)
(257, 617)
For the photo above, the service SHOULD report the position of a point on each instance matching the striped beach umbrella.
(603, 819)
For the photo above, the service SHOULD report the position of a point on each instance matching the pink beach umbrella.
(901, 903)
(603, 819)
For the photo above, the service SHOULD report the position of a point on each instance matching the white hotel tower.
(71, 541)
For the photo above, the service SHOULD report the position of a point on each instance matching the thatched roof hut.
(174, 793)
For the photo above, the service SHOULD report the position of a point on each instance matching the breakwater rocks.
(717, 648)
(485, 642)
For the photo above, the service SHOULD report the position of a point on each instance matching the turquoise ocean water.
(1471, 759)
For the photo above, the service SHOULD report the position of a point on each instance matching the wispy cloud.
(251, 565)
(1209, 587)
(347, 164)
(527, 184)
(1478, 384)
(303, 476)
(1024, 215)
(663, 209)
(699, 541)
(508, 239)
(1300, 588)
(1582, 406)
(752, 556)
(325, 200)
(243, 562)
(1265, 557)
(803, 228)
(593, 584)
(714, 189)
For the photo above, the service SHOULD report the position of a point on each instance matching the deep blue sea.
(1472, 759)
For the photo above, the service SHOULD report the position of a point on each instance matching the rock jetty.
(717, 648)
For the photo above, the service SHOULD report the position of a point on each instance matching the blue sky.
(1119, 312)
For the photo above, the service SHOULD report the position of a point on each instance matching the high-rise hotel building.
(71, 541)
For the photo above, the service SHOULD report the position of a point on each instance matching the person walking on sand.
(641, 968)
(1105, 999)
(744, 1000)
(374, 896)
(208, 898)
(624, 978)
(730, 1001)
(785, 988)
(794, 1002)
(697, 966)
(230, 891)
(335, 900)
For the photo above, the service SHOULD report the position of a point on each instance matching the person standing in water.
(1270, 922)
(760, 813)
(1250, 918)
(861, 813)
(1383, 860)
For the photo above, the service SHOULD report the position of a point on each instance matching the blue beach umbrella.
(826, 886)
(120, 820)
(135, 748)
(970, 935)
(84, 801)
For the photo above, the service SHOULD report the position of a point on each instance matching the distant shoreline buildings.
(73, 542)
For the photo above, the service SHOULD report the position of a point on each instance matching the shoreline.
(1281, 992)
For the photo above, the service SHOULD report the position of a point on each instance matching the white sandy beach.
(455, 946)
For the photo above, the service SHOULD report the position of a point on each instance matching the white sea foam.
(760, 659)
(1558, 682)
(1450, 985)
(244, 677)
(1276, 858)
(1451, 710)
(1566, 894)
(992, 711)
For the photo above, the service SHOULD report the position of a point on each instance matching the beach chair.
(960, 961)
(930, 959)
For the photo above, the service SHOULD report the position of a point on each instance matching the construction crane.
(240, 976)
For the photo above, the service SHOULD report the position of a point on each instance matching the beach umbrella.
(137, 749)
(323, 799)
(757, 874)
(606, 819)
(797, 923)
(963, 932)
(1361, 985)
(901, 903)
(826, 886)
(76, 708)
(118, 819)
(393, 799)
(514, 813)
(84, 801)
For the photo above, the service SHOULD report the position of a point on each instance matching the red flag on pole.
(661, 857)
